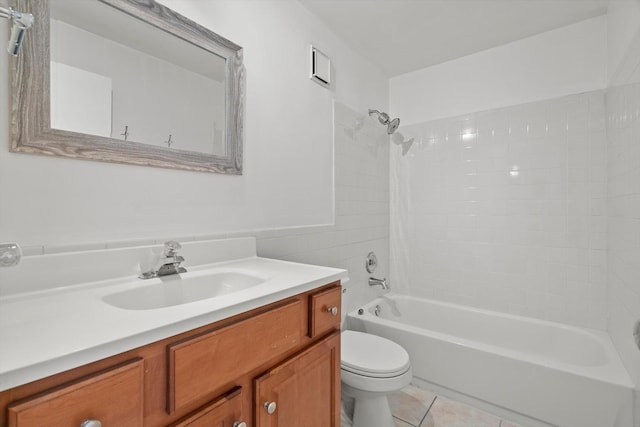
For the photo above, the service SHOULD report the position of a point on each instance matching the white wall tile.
(504, 213)
(623, 226)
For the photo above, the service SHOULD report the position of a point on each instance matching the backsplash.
(361, 150)
(505, 209)
(79, 268)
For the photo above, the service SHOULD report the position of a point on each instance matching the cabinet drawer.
(324, 311)
(114, 397)
(222, 412)
(205, 363)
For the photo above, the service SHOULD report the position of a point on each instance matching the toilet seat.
(372, 356)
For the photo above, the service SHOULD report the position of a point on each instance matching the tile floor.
(416, 407)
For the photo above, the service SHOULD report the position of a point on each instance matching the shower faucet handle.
(10, 254)
(371, 262)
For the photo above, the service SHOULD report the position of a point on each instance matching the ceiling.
(401, 36)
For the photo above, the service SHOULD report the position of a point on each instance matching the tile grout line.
(427, 413)
(403, 420)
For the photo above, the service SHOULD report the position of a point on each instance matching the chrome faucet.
(378, 282)
(169, 262)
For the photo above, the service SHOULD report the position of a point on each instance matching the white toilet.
(371, 368)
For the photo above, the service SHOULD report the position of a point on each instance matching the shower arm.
(385, 120)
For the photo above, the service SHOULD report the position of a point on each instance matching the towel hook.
(126, 132)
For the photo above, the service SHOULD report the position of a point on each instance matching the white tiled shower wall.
(361, 151)
(623, 206)
(505, 209)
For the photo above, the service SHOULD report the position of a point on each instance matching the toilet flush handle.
(270, 407)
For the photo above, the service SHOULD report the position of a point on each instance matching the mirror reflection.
(115, 76)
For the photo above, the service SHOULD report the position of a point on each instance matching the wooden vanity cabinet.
(222, 412)
(206, 362)
(302, 391)
(114, 397)
(218, 375)
(324, 311)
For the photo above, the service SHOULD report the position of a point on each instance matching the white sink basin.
(176, 290)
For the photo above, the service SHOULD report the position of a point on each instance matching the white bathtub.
(542, 372)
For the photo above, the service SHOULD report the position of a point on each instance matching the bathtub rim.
(612, 372)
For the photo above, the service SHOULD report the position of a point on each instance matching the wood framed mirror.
(127, 81)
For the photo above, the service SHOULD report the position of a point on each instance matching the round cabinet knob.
(239, 424)
(270, 407)
(91, 423)
(332, 310)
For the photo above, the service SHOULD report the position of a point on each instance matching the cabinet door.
(303, 391)
(223, 412)
(113, 397)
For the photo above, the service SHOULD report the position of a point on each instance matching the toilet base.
(372, 412)
(366, 408)
(346, 411)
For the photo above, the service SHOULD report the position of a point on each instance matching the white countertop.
(50, 331)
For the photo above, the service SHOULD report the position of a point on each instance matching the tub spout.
(378, 282)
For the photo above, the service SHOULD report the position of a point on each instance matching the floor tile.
(447, 413)
(411, 404)
(422, 395)
(399, 423)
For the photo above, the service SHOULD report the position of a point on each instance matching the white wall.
(623, 22)
(362, 210)
(288, 179)
(565, 61)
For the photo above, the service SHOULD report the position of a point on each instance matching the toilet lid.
(372, 356)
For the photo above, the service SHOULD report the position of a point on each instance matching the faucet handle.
(171, 248)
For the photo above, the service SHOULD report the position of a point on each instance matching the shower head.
(384, 119)
(21, 23)
(393, 125)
